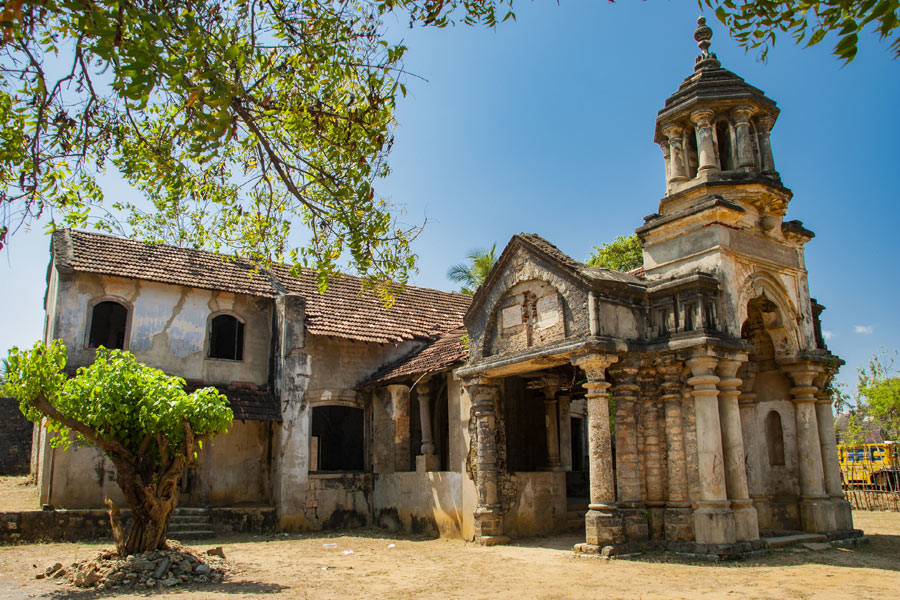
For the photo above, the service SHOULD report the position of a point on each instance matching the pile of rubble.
(177, 565)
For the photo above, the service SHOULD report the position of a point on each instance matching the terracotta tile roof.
(417, 313)
(248, 402)
(441, 353)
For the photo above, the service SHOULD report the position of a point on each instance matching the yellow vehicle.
(871, 465)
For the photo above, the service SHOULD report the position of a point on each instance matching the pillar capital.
(741, 114)
(702, 117)
(673, 131)
(423, 386)
(594, 365)
(549, 384)
(802, 375)
(764, 123)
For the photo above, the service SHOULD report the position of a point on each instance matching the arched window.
(109, 320)
(338, 442)
(775, 438)
(226, 338)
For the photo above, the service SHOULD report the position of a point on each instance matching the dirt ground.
(381, 566)
(18, 493)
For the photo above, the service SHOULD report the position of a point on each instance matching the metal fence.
(870, 475)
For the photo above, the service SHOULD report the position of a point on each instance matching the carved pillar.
(816, 512)
(746, 522)
(667, 157)
(565, 434)
(489, 510)
(400, 403)
(677, 169)
(754, 449)
(843, 519)
(652, 450)
(743, 143)
(678, 507)
(603, 522)
(764, 125)
(713, 518)
(625, 392)
(706, 147)
(427, 460)
(550, 385)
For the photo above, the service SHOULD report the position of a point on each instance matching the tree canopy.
(622, 254)
(878, 388)
(754, 24)
(472, 274)
(246, 125)
(141, 418)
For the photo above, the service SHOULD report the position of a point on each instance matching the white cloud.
(827, 334)
(862, 328)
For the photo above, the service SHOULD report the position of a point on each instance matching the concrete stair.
(576, 508)
(190, 523)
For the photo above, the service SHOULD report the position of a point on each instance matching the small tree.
(622, 254)
(141, 418)
(879, 386)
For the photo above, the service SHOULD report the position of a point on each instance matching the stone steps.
(575, 511)
(798, 538)
(190, 523)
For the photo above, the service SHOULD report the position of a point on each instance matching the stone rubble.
(176, 565)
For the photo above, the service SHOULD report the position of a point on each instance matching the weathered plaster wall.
(338, 501)
(232, 469)
(539, 507)
(460, 406)
(168, 325)
(419, 502)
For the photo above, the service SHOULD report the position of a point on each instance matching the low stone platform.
(93, 523)
(736, 551)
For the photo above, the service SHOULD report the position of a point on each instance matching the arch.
(775, 438)
(225, 336)
(109, 323)
(781, 323)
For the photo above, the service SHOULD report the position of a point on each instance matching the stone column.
(667, 157)
(746, 522)
(427, 460)
(565, 434)
(652, 450)
(843, 518)
(677, 167)
(754, 449)
(678, 506)
(743, 142)
(706, 147)
(603, 522)
(764, 125)
(628, 473)
(713, 518)
(400, 405)
(816, 512)
(489, 510)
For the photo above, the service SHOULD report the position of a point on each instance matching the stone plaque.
(512, 316)
(547, 311)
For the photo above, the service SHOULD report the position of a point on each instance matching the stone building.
(488, 420)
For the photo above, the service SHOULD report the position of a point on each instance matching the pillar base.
(635, 522)
(713, 525)
(746, 520)
(489, 526)
(679, 524)
(491, 540)
(428, 462)
(843, 516)
(603, 528)
(656, 515)
(817, 515)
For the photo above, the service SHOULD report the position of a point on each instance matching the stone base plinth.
(817, 515)
(843, 516)
(710, 552)
(636, 526)
(679, 524)
(491, 540)
(657, 521)
(428, 462)
(746, 521)
(489, 525)
(603, 528)
(714, 526)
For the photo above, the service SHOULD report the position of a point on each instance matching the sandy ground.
(18, 493)
(301, 567)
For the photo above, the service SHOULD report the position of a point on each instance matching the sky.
(545, 125)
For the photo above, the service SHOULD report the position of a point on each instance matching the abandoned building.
(489, 417)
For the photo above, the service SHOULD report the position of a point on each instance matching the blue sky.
(545, 125)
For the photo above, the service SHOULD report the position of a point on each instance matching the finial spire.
(703, 34)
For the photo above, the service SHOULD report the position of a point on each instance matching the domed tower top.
(716, 126)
